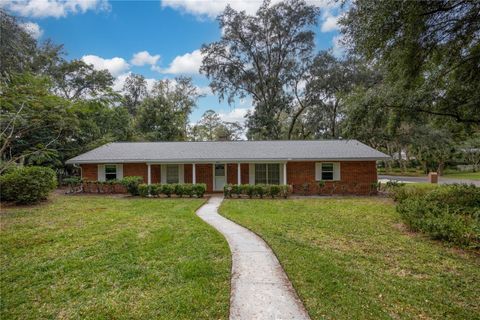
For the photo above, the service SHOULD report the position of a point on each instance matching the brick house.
(346, 166)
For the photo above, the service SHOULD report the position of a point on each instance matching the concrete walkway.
(260, 287)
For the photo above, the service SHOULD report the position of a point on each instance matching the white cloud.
(189, 63)
(338, 48)
(32, 28)
(54, 8)
(143, 57)
(116, 66)
(234, 115)
(120, 81)
(212, 8)
(330, 23)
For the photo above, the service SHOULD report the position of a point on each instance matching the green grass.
(100, 257)
(350, 258)
(463, 175)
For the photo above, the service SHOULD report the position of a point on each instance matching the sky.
(158, 39)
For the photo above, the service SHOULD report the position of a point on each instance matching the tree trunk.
(440, 168)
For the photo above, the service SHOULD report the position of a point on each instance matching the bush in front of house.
(450, 213)
(27, 185)
(258, 190)
(199, 189)
(131, 184)
(143, 190)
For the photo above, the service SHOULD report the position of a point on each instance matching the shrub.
(178, 189)
(27, 185)
(260, 190)
(188, 189)
(237, 190)
(285, 190)
(155, 189)
(73, 183)
(199, 189)
(450, 213)
(168, 189)
(273, 190)
(227, 191)
(131, 184)
(143, 190)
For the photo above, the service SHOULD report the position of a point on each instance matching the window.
(267, 173)
(219, 170)
(327, 171)
(273, 171)
(110, 172)
(172, 173)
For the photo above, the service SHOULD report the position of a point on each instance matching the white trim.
(336, 171)
(239, 174)
(149, 174)
(284, 180)
(208, 161)
(181, 175)
(119, 171)
(163, 173)
(101, 172)
(194, 173)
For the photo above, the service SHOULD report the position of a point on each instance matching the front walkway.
(260, 287)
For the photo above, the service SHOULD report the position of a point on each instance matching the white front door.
(219, 177)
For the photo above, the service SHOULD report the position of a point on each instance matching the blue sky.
(158, 39)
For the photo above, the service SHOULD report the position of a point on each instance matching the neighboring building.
(345, 165)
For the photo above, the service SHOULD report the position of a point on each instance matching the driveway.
(441, 180)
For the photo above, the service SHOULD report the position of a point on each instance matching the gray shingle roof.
(241, 151)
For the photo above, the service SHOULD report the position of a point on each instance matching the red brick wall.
(89, 172)
(155, 171)
(356, 177)
(136, 169)
(187, 173)
(204, 174)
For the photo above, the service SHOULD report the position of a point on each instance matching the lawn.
(100, 257)
(350, 258)
(463, 175)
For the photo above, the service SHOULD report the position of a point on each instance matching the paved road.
(441, 180)
(260, 287)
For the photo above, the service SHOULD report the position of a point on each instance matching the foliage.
(450, 213)
(199, 189)
(168, 189)
(27, 185)
(211, 128)
(143, 190)
(427, 52)
(259, 190)
(265, 56)
(131, 183)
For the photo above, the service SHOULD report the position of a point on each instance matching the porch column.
(239, 174)
(194, 174)
(149, 173)
(284, 173)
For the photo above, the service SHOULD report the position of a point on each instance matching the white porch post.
(194, 174)
(284, 173)
(149, 173)
(239, 174)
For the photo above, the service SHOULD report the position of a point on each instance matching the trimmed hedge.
(27, 185)
(179, 189)
(258, 190)
(450, 213)
(132, 183)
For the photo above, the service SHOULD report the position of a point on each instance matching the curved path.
(260, 287)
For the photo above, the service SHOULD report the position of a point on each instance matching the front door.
(219, 177)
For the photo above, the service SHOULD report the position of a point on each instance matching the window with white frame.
(267, 173)
(110, 172)
(329, 171)
(172, 173)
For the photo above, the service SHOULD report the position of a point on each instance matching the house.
(344, 165)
